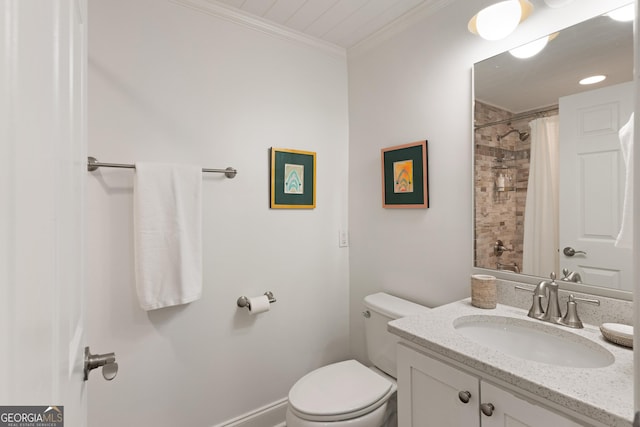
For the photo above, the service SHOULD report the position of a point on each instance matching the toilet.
(348, 393)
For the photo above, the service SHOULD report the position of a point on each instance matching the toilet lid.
(339, 388)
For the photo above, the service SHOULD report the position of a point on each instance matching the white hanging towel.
(167, 234)
(625, 236)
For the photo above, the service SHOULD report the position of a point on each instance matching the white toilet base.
(383, 416)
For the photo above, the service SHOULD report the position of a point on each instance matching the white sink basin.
(534, 340)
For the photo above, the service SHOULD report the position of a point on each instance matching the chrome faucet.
(549, 290)
(571, 276)
(509, 267)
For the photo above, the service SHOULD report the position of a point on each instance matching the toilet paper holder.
(244, 301)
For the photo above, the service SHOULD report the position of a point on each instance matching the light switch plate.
(343, 238)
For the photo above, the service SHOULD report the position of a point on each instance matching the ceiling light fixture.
(497, 21)
(533, 48)
(557, 3)
(592, 80)
(530, 49)
(623, 14)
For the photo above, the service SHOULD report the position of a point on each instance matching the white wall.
(172, 84)
(412, 85)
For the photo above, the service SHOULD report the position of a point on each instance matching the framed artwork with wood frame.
(405, 181)
(293, 179)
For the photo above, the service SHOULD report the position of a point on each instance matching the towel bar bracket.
(91, 164)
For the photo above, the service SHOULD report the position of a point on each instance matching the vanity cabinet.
(433, 393)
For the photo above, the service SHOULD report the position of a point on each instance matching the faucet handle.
(553, 276)
(536, 310)
(589, 300)
(571, 318)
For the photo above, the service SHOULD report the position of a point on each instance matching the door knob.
(107, 361)
(569, 251)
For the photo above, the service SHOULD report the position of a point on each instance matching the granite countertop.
(603, 394)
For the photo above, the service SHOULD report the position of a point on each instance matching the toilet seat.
(339, 391)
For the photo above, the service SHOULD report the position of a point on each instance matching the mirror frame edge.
(582, 288)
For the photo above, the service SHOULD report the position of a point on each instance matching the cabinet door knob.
(464, 396)
(487, 409)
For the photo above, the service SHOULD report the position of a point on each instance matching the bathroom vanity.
(449, 376)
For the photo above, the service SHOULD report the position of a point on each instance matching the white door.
(592, 185)
(42, 173)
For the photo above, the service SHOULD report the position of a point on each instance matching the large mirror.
(550, 173)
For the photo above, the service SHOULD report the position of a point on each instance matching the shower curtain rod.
(93, 164)
(536, 113)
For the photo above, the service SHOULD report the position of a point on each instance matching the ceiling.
(596, 46)
(341, 22)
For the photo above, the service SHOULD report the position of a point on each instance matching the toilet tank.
(381, 344)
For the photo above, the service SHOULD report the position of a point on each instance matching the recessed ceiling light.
(623, 14)
(592, 80)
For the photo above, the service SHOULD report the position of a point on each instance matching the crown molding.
(412, 17)
(214, 8)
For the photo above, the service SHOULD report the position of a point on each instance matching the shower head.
(522, 135)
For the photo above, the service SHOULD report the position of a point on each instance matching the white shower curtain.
(541, 215)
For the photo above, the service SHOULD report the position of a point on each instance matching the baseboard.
(271, 415)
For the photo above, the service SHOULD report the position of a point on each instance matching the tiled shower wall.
(499, 214)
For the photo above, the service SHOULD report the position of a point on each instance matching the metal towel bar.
(93, 164)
